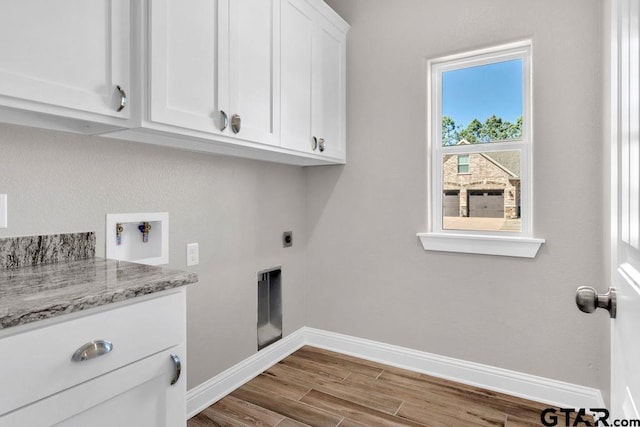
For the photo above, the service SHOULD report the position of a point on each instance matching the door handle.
(123, 99)
(225, 120)
(177, 368)
(588, 300)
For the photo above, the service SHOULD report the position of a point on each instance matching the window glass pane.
(483, 103)
(487, 196)
(463, 163)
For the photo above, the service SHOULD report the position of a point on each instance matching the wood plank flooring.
(315, 387)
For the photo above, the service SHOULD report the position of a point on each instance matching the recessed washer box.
(125, 237)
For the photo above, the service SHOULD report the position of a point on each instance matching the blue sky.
(479, 92)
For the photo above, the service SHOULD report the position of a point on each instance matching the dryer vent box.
(269, 307)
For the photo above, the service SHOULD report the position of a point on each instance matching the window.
(463, 163)
(480, 141)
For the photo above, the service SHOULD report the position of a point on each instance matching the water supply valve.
(144, 228)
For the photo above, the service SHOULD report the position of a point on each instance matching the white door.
(625, 251)
(66, 53)
(139, 394)
(253, 67)
(297, 36)
(185, 63)
(329, 90)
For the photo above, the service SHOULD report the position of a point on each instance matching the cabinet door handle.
(177, 366)
(225, 120)
(321, 144)
(91, 350)
(314, 143)
(236, 123)
(123, 98)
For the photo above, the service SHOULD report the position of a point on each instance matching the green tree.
(473, 132)
(476, 132)
(450, 132)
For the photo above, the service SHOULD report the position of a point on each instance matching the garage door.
(485, 203)
(451, 203)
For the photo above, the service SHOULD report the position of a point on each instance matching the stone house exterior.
(482, 184)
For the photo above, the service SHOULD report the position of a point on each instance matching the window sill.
(522, 247)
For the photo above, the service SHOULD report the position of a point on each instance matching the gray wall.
(355, 255)
(235, 209)
(372, 279)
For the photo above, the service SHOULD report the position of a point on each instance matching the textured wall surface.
(235, 209)
(372, 279)
(355, 253)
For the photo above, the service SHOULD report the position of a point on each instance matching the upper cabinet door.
(186, 67)
(297, 30)
(313, 80)
(329, 90)
(65, 53)
(254, 90)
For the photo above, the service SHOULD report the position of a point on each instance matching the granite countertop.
(43, 291)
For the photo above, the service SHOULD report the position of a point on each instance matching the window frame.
(470, 241)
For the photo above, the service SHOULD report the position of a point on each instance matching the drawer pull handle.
(177, 366)
(91, 350)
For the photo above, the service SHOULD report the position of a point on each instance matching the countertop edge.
(48, 308)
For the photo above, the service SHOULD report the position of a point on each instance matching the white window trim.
(517, 244)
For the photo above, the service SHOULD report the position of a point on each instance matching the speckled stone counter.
(43, 291)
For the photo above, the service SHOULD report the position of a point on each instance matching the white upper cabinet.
(211, 66)
(330, 91)
(261, 79)
(313, 79)
(254, 87)
(183, 64)
(67, 59)
(297, 70)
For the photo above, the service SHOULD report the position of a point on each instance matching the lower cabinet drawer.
(141, 394)
(38, 363)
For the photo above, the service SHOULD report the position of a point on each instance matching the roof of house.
(509, 161)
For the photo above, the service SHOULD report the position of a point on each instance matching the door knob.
(588, 300)
(236, 122)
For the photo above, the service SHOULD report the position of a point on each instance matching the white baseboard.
(209, 392)
(527, 386)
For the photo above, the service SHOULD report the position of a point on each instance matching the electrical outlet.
(287, 239)
(193, 255)
(3, 211)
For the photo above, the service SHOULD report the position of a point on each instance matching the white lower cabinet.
(130, 385)
(138, 395)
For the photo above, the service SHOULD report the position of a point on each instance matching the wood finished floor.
(315, 387)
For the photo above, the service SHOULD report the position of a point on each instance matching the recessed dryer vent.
(138, 237)
(269, 307)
